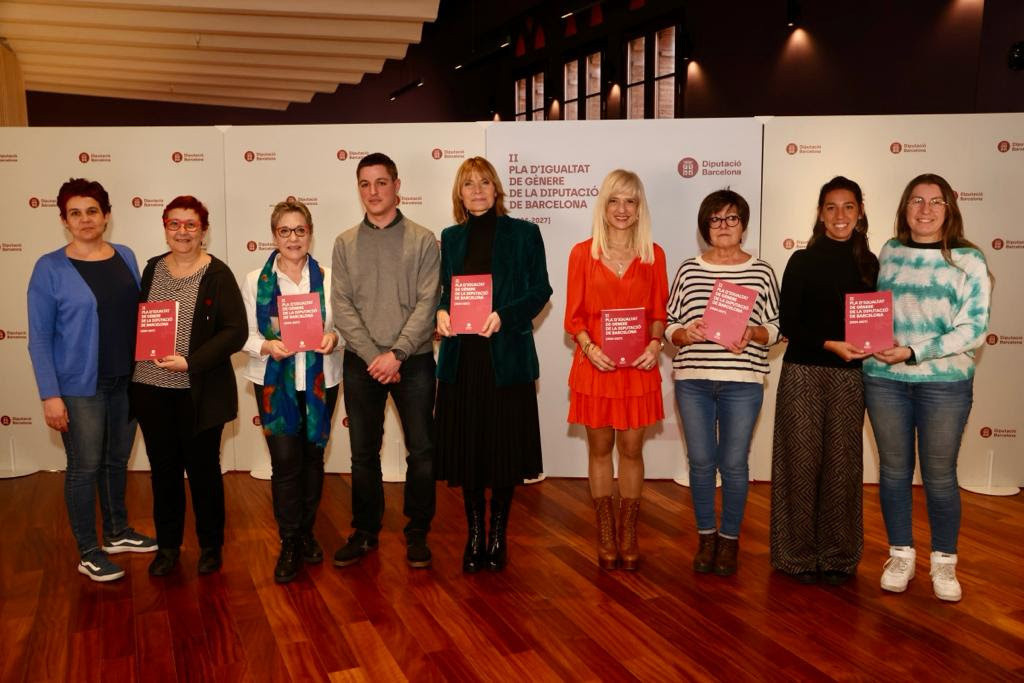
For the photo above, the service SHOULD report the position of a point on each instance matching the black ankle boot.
(288, 561)
(497, 545)
(475, 556)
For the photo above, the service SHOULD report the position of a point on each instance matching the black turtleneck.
(812, 300)
(480, 244)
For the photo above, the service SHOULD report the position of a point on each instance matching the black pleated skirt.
(485, 436)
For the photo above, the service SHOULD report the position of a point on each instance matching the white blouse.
(256, 368)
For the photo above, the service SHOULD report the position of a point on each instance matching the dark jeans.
(365, 400)
(166, 417)
(297, 472)
(98, 443)
(936, 413)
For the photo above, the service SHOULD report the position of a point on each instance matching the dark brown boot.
(607, 547)
(725, 556)
(629, 550)
(705, 557)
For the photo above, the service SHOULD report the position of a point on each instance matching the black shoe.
(165, 561)
(358, 545)
(416, 551)
(312, 553)
(288, 561)
(497, 544)
(209, 560)
(474, 558)
(835, 578)
(806, 578)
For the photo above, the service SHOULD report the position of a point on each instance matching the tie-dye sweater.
(940, 311)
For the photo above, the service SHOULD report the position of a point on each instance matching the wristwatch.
(400, 355)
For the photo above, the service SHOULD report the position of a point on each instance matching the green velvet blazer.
(519, 274)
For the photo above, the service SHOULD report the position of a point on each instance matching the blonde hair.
(290, 206)
(623, 183)
(485, 170)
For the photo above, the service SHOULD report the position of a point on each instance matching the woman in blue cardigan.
(487, 425)
(81, 317)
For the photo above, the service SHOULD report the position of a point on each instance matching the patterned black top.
(183, 290)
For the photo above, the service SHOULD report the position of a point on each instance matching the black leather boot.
(475, 556)
(289, 560)
(497, 544)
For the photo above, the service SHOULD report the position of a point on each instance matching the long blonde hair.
(624, 183)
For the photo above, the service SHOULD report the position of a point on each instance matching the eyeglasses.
(934, 202)
(732, 220)
(174, 225)
(285, 233)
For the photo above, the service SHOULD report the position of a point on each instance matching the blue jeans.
(365, 400)
(98, 444)
(718, 423)
(937, 412)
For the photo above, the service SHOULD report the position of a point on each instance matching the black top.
(813, 300)
(480, 244)
(117, 294)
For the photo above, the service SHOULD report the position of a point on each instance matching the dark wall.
(846, 57)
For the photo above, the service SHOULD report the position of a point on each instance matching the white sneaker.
(944, 581)
(899, 568)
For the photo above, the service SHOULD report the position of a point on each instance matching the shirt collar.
(396, 221)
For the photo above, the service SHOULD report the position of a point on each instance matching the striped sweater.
(687, 300)
(939, 310)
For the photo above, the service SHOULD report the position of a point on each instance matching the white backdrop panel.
(679, 161)
(317, 164)
(142, 169)
(982, 156)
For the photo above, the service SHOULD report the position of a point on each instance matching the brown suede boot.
(629, 550)
(607, 546)
(705, 557)
(725, 556)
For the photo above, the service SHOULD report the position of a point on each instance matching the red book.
(471, 303)
(156, 330)
(302, 325)
(869, 321)
(623, 334)
(728, 312)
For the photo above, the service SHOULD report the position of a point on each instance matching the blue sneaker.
(129, 541)
(98, 567)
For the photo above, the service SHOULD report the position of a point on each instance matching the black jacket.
(219, 328)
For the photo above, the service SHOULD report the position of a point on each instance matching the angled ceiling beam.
(208, 41)
(182, 88)
(86, 75)
(114, 65)
(26, 48)
(248, 103)
(399, 10)
(229, 24)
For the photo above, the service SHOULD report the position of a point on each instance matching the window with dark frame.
(592, 97)
(651, 75)
(571, 90)
(537, 101)
(521, 90)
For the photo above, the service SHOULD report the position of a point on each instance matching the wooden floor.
(551, 615)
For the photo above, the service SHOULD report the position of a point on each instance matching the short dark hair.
(378, 159)
(715, 202)
(187, 201)
(80, 187)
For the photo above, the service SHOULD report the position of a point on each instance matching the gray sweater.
(384, 288)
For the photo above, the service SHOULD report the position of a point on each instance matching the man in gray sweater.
(384, 294)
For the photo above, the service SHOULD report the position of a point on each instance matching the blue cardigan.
(521, 289)
(64, 327)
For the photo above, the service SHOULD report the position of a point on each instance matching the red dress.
(625, 398)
